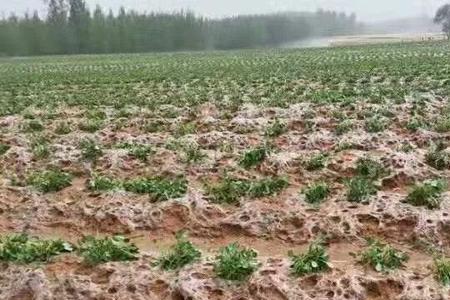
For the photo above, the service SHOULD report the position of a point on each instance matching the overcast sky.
(367, 10)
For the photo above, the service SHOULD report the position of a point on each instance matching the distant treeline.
(71, 28)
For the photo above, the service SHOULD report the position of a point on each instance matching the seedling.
(442, 270)
(254, 157)
(101, 250)
(317, 162)
(442, 124)
(427, 194)
(180, 255)
(236, 263)
(160, 189)
(50, 180)
(369, 168)
(382, 257)
(138, 151)
(376, 124)
(276, 129)
(4, 148)
(316, 193)
(101, 183)
(360, 189)
(315, 260)
(63, 128)
(192, 154)
(40, 148)
(21, 248)
(91, 125)
(230, 191)
(344, 127)
(438, 158)
(90, 150)
(33, 126)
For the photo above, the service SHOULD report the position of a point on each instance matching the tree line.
(71, 28)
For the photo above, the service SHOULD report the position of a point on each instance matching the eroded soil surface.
(271, 225)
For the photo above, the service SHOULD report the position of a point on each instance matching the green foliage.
(91, 125)
(230, 191)
(376, 124)
(315, 260)
(159, 188)
(181, 254)
(101, 183)
(138, 151)
(267, 187)
(442, 270)
(63, 128)
(316, 162)
(344, 127)
(437, 157)
(40, 148)
(359, 189)
(427, 194)
(101, 250)
(369, 168)
(90, 150)
(192, 153)
(254, 157)
(4, 148)
(382, 257)
(316, 193)
(276, 129)
(235, 263)
(33, 126)
(21, 248)
(50, 180)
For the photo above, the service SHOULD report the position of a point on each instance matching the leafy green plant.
(369, 168)
(437, 157)
(101, 250)
(181, 254)
(267, 187)
(235, 263)
(344, 127)
(4, 148)
(382, 257)
(376, 124)
(254, 157)
(442, 124)
(50, 180)
(442, 270)
(230, 190)
(90, 150)
(315, 260)
(192, 153)
(21, 248)
(359, 189)
(316, 162)
(159, 188)
(427, 194)
(276, 129)
(91, 125)
(139, 151)
(316, 193)
(40, 148)
(102, 183)
(33, 126)
(63, 128)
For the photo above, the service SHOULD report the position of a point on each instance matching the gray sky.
(368, 10)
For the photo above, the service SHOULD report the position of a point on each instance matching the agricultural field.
(260, 174)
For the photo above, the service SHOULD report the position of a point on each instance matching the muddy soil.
(272, 225)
